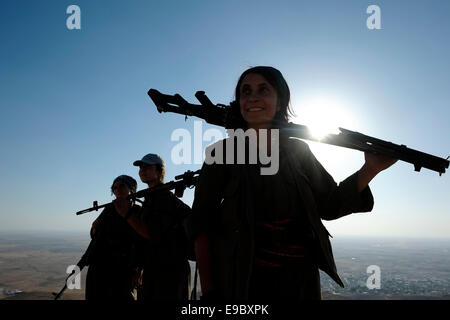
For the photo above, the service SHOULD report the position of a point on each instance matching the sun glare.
(322, 116)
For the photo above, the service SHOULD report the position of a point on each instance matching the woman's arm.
(137, 224)
(351, 195)
(97, 224)
(204, 219)
(374, 164)
(203, 254)
(122, 206)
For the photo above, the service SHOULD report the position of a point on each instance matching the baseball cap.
(150, 158)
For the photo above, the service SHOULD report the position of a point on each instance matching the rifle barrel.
(220, 115)
(361, 142)
(183, 181)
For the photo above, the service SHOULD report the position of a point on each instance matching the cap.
(150, 158)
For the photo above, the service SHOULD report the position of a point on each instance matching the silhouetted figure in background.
(166, 267)
(114, 261)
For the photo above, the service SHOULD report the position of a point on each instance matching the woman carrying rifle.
(114, 260)
(166, 273)
(260, 237)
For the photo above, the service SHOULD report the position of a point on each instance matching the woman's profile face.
(149, 174)
(120, 189)
(258, 101)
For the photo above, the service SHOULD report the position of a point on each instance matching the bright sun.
(322, 115)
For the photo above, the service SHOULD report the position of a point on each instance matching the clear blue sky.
(74, 112)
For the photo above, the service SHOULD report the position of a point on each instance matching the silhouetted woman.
(115, 259)
(261, 236)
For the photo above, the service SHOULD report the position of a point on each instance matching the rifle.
(186, 180)
(81, 264)
(181, 182)
(225, 116)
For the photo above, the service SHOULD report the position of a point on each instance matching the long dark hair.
(276, 80)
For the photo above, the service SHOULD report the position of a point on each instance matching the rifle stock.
(222, 115)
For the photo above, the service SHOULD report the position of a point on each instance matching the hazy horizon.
(74, 232)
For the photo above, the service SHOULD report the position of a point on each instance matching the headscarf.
(129, 181)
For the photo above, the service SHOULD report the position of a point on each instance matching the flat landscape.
(33, 265)
(409, 269)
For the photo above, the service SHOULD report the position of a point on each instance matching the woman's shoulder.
(135, 207)
(218, 147)
(294, 145)
(108, 211)
(163, 199)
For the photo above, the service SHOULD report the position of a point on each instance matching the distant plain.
(34, 264)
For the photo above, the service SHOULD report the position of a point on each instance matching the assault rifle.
(225, 116)
(181, 182)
